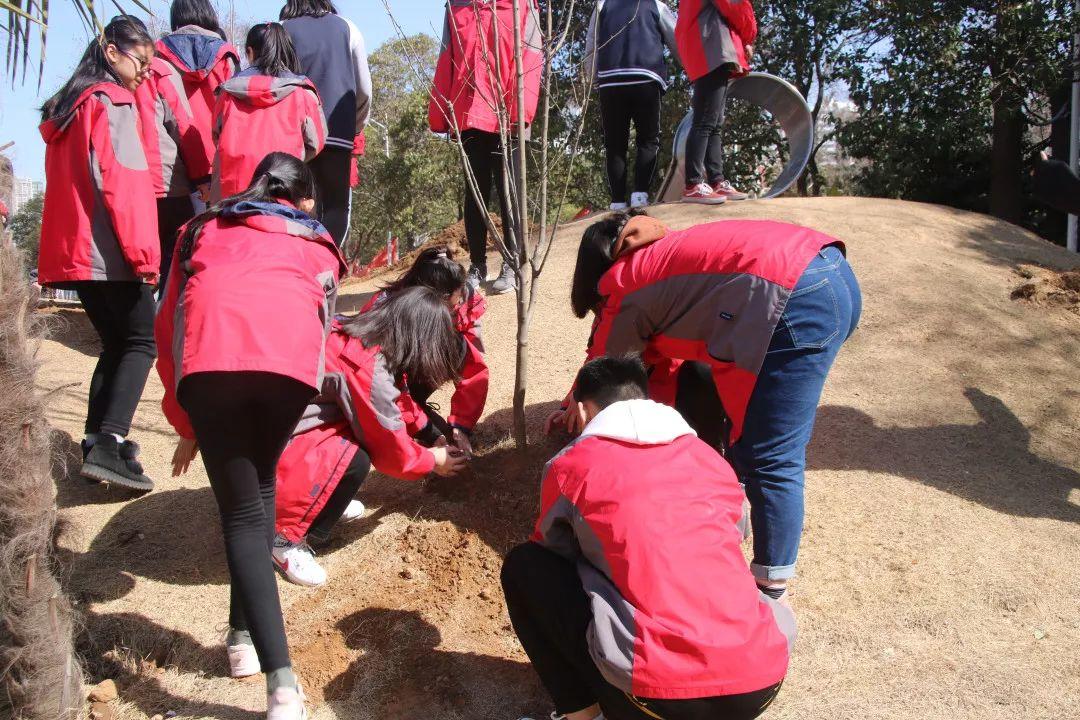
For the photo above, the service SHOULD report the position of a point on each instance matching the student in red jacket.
(765, 306)
(437, 269)
(99, 235)
(199, 51)
(474, 80)
(633, 599)
(244, 324)
(355, 422)
(269, 107)
(716, 41)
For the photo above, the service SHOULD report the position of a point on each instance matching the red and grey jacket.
(256, 294)
(204, 61)
(99, 220)
(714, 33)
(178, 153)
(258, 114)
(357, 408)
(471, 388)
(713, 293)
(469, 86)
(650, 515)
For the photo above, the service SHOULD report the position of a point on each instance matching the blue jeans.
(770, 457)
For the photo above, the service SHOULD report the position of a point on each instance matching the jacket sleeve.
(470, 394)
(195, 146)
(739, 15)
(590, 42)
(384, 433)
(363, 76)
(126, 187)
(439, 104)
(667, 29)
(164, 329)
(554, 527)
(412, 414)
(313, 126)
(615, 332)
(532, 60)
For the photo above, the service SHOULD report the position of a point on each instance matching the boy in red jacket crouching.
(633, 598)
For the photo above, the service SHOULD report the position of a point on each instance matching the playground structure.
(775, 96)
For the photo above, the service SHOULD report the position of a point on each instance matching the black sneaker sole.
(97, 473)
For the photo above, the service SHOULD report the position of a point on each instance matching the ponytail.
(435, 268)
(272, 50)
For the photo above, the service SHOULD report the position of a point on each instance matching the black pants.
(551, 614)
(332, 169)
(484, 153)
(319, 530)
(621, 105)
(437, 425)
(123, 315)
(173, 213)
(704, 146)
(242, 421)
(698, 402)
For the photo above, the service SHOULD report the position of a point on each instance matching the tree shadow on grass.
(990, 462)
(72, 328)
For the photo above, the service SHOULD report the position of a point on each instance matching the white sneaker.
(614, 207)
(286, 703)
(354, 511)
(639, 200)
(297, 563)
(243, 660)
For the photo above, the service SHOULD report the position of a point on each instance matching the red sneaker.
(723, 187)
(703, 194)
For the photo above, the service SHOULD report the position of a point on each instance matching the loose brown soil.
(943, 501)
(1048, 287)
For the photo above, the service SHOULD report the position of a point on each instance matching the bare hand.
(204, 192)
(570, 419)
(749, 51)
(462, 442)
(185, 453)
(448, 462)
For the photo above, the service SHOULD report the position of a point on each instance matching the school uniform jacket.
(468, 87)
(471, 388)
(258, 114)
(712, 293)
(255, 294)
(357, 408)
(650, 515)
(713, 34)
(204, 61)
(99, 220)
(625, 42)
(178, 153)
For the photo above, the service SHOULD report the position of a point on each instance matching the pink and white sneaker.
(286, 703)
(243, 660)
(702, 194)
(724, 187)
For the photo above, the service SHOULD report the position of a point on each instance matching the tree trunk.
(1006, 158)
(521, 219)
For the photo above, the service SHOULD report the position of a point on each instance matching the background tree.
(25, 229)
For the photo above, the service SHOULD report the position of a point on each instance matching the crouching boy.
(633, 598)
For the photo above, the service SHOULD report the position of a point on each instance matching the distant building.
(24, 190)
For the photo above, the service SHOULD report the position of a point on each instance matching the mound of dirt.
(1048, 287)
(943, 490)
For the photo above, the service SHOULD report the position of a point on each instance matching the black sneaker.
(115, 463)
(86, 451)
(477, 276)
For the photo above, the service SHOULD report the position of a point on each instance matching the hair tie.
(441, 254)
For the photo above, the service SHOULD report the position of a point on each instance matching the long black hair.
(435, 268)
(279, 176)
(300, 8)
(594, 258)
(272, 49)
(122, 31)
(416, 335)
(199, 13)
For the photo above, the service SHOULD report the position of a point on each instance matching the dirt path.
(937, 577)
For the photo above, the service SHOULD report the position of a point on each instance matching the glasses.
(141, 63)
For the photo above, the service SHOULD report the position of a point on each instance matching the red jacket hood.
(639, 422)
(255, 88)
(195, 52)
(53, 127)
(279, 217)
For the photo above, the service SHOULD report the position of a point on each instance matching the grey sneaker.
(476, 277)
(505, 282)
(115, 463)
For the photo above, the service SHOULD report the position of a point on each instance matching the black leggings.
(332, 169)
(698, 402)
(484, 153)
(551, 614)
(173, 214)
(123, 315)
(242, 421)
(704, 146)
(621, 105)
(319, 530)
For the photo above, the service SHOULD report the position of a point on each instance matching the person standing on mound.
(474, 81)
(267, 108)
(355, 423)
(716, 41)
(624, 52)
(332, 54)
(244, 322)
(762, 308)
(99, 235)
(633, 599)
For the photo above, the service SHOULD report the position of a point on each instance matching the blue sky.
(68, 38)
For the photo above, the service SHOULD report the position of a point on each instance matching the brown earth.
(937, 574)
